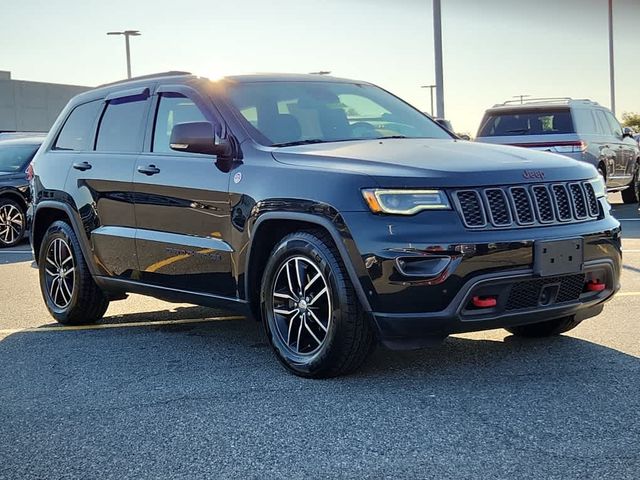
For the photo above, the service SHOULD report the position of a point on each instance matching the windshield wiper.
(300, 142)
(518, 130)
(390, 136)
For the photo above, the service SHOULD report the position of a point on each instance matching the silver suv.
(580, 129)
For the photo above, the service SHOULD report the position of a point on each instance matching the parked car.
(272, 195)
(15, 156)
(579, 129)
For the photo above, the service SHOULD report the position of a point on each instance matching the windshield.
(522, 122)
(14, 158)
(293, 113)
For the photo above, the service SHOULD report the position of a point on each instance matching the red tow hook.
(595, 286)
(484, 302)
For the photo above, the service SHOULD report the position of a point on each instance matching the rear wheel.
(549, 328)
(631, 194)
(12, 223)
(68, 289)
(311, 314)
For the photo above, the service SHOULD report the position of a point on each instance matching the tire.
(631, 194)
(330, 335)
(13, 223)
(74, 298)
(549, 328)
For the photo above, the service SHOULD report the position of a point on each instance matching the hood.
(436, 163)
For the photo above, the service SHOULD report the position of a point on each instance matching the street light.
(430, 87)
(612, 79)
(127, 34)
(437, 46)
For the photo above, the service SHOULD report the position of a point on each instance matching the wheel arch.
(15, 196)
(48, 212)
(272, 227)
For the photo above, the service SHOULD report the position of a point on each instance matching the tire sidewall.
(307, 246)
(8, 201)
(63, 231)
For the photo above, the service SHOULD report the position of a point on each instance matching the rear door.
(626, 150)
(182, 204)
(101, 180)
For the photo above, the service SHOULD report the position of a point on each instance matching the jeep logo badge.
(533, 175)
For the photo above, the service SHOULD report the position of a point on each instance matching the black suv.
(15, 157)
(329, 209)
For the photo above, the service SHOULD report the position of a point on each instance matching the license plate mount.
(558, 257)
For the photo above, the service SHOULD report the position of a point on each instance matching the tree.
(632, 120)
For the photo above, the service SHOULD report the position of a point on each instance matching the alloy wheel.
(301, 306)
(11, 224)
(59, 273)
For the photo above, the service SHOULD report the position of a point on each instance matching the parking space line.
(158, 323)
(629, 219)
(17, 252)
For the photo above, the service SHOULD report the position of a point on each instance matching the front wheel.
(69, 291)
(311, 314)
(631, 194)
(549, 328)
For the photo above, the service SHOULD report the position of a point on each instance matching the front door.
(182, 205)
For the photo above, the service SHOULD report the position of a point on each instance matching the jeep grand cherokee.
(329, 209)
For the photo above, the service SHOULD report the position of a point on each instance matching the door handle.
(149, 170)
(82, 166)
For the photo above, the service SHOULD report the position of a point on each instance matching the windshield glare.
(14, 158)
(289, 113)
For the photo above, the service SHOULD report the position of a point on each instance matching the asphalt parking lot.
(160, 390)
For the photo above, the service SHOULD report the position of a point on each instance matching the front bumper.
(416, 330)
(411, 312)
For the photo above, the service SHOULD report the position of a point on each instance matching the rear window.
(523, 122)
(77, 132)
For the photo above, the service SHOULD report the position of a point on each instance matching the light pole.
(612, 80)
(437, 45)
(430, 87)
(127, 34)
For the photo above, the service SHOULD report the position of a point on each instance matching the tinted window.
(122, 126)
(296, 112)
(614, 125)
(585, 121)
(173, 109)
(603, 123)
(523, 122)
(77, 132)
(14, 158)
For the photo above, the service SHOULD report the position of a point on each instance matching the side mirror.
(627, 132)
(198, 137)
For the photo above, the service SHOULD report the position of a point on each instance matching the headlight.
(405, 202)
(599, 186)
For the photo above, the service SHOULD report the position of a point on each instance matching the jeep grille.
(527, 205)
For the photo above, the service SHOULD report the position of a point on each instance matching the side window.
(122, 125)
(605, 129)
(586, 122)
(172, 109)
(614, 124)
(77, 132)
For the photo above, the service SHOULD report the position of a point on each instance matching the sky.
(492, 49)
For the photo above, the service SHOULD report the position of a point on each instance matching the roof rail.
(170, 73)
(541, 100)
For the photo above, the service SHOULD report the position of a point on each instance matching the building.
(32, 106)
